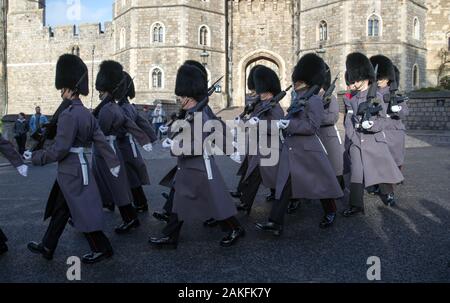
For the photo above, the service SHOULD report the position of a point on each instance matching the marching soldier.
(75, 194)
(328, 131)
(115, 125)
(371, 161)
(304, 170)
(8, 151)
(134, 163)
(267, 86)
(199, 189)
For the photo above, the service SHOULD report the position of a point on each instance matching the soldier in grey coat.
(199, 189)
(80, 199)
(116, 125)
(267, 85)
(329, 134)
(8, 151)
(134, 163)
(305, 171)
(371, 161)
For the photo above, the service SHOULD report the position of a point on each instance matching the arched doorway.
(262, 57)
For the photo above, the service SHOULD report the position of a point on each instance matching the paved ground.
(412, 240)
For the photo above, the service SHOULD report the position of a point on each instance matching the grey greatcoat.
(331, 139)
(304, 158)
(395, 129)
(268, 173)
(134, 163)
(77, 128)
(113, 122)
(7, 149)
(196, 196)
(371, 161)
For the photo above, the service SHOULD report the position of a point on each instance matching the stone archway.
(260, 56)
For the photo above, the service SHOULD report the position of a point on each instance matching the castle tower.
(152, 38)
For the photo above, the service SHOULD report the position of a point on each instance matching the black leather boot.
(211, 223)
(95, 257)
(328, 220)
(275, 229)
(125, 227)
(293, 206)
(141, 209)
(235, 194)
(352, 210)
(38, 248)
(271, 196)
(388, 200)
(161, 216)
(243, 207)
(232, 237)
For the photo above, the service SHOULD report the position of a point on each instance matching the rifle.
(299, 105)
(394, 98)
(327, 95)
(372, 106)
(49, 132)
(274, 101)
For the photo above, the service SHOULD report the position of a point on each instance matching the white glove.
(233, 132)
(396, 108)
(163, 129)
(23, 170)
(27, 155)
(367, 124)
(148, 147)
(254, 121)
(115, 171)
(167, 143)
(237, 120)
(283, 124)
(236, 157)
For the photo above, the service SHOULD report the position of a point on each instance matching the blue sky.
(63, 12)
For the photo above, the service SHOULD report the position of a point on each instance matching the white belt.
(81, 151)
(111, 140)
(338, 135)
(350, 111)
(207, 164)
(133, 145)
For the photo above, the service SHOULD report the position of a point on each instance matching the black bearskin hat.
(359, 68)
(199, 66)
(310, 69)
(128, 86)
(191, 82)
(327, 82)
(250, 80)
(266, 80)
(70, 71)
(385, 67)
(347, 82)
(109, 78)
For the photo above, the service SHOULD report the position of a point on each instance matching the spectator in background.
(37, 122)
(20, 132)
(158, 118)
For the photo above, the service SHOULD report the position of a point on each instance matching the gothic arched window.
(374, 26)
(323, 31)
(415, 76)
(203, 35)
(76, 51)
(122, 38)
(157, 78)
(158, 32)
(416, 28)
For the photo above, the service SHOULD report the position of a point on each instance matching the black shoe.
(274, 228)
(165, 196)
(110, 207)
(373, 190)
(235, 194)
(327, 220)
(232, 237)
(162, 216)
(141, 209)
(38, 248)
(388, 200)
(271, 196)
(95, 257)
(293, 206)
(211, 223)
(3, 248)
(352, 210)
(70, 222)
(243, 207)
(126, 227)
(164, 242)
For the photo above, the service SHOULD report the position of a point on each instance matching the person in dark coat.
(134, 163)
(267, 85)
(20, 132)
(77, 195)
(8, 151)
(371, 161)
(116, 125)
(304, 172)
(199, 189)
